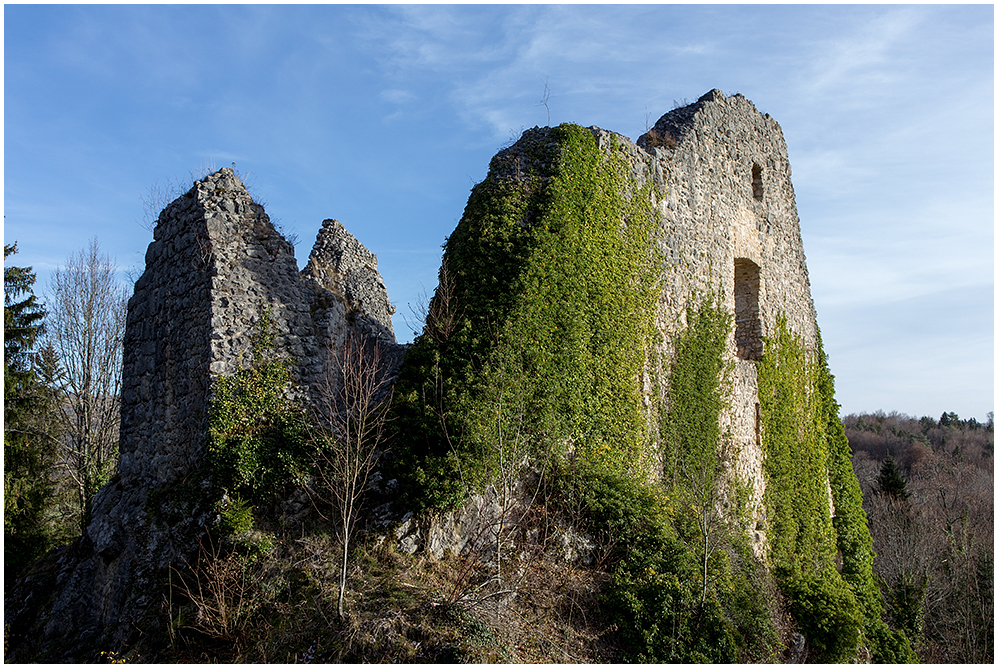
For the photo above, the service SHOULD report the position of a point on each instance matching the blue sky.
(385, 116)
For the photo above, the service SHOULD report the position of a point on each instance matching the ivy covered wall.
(542, 325)
(585, 322)
(823, 564)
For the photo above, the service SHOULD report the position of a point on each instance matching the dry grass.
(656, 138)
(280, 605)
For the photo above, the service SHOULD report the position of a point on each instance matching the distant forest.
(928, 491)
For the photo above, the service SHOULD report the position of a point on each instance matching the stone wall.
(215, 265)
(730, 227)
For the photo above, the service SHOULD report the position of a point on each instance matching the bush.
(236, 516)
(655, 597)
(827, 614)
(661, 620)
(257, 440)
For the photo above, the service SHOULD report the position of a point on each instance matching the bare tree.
(506, 443)
(86, 325)
(545, 99)
(440, 316)
(904, 559)
(702, 498)
(351, 411)
(224, 589)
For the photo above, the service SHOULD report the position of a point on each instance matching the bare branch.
(443, 314)
(86, 326)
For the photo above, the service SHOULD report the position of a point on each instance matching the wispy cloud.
(384, 116)
(861, 64)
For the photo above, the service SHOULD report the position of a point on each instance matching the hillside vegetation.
(928, 490)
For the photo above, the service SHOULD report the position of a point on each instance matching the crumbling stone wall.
(215, 264)
(347, 296)
(730, 227)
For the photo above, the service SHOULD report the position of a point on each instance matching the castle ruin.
(728, 226)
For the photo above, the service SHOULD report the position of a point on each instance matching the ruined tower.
(716, 217)
(730, 226)
(216, 264)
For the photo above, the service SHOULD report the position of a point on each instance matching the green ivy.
(698, 389)
(554, 294)
(804, 444)
(658, 597)
(851, 529)
(256, 434)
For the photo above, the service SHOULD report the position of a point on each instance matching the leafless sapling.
(86, 326)
(351, 414)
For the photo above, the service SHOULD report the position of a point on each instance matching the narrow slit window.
(748, 327)
(756, 181)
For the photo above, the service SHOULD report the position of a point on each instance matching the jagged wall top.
(349, 271)
(215, 263)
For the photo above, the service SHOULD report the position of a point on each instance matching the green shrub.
(257, 434)
(661, 620)
(630, 516)
(236, 516)
(827, 613)
(749, 598)
(653, 597)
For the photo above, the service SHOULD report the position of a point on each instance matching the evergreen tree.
(29, 446)
(891, 481)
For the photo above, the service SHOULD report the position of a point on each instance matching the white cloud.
(397, 96)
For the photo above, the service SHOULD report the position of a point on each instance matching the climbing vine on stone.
(256, 434)
(685, 586)
(558, 322)
(804, 445)
(699, 385)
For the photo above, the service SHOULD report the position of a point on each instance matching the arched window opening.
(756, 181)
(748, 328)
